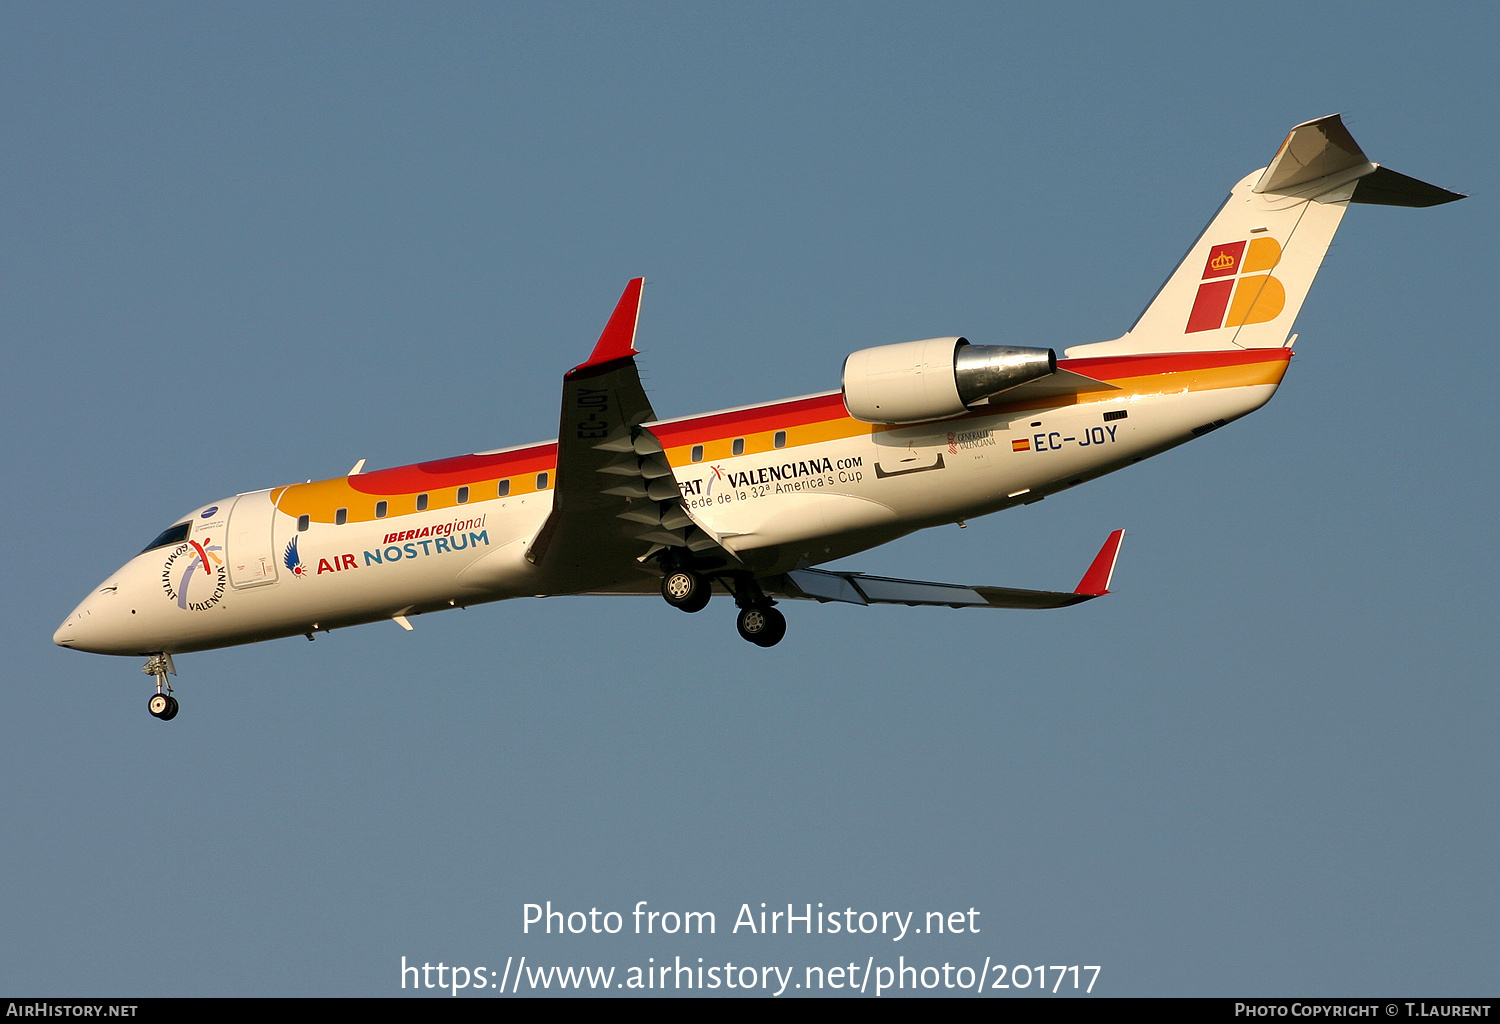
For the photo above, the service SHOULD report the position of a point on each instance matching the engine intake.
(935, 379)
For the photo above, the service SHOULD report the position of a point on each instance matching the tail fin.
(1243, 282)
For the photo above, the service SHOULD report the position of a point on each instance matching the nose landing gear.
(162, 704)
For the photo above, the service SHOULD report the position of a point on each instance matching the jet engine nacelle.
(935, 379)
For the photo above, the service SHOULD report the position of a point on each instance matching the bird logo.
(293, 560)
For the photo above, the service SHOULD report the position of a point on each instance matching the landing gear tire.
(686, 589)
(162, 704)
(762, 626)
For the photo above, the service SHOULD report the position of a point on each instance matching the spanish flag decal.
(1023, 445)
(1230, 283)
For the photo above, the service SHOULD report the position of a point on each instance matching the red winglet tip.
(618, 339)
(1095, 582)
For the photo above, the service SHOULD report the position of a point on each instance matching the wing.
(857, 588)
(616, 500)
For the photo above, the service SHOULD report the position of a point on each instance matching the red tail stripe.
(1116, 367)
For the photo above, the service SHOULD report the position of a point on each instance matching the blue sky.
(250, 244)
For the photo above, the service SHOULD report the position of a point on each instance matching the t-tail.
(1244, 280)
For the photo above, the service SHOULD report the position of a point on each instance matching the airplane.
(747, 502)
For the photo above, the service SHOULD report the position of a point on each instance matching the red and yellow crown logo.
(1230, 273)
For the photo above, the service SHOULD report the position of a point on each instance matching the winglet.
(618, 339)
(1095, 582)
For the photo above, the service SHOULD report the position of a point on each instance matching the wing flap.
(882, 590)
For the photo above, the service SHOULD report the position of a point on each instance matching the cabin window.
(780, 439)
(739, 446)
(463, 495)
(380, 509)
(303, 522)
(504, 488)
(341, 517)
(541, 481)
(697, 453)
(171, 535)
(421, 503)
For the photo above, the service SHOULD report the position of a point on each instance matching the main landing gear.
(162, 704)
(686, 589)
(758, 621)
(763, 626)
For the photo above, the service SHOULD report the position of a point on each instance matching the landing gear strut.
(685, 587)
(162, 704)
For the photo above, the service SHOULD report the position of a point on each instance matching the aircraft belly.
(821, 502)
(1072, 445)
(789, 518)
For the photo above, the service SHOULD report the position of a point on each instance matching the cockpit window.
(171, 535)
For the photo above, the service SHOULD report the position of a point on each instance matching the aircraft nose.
(87, 626)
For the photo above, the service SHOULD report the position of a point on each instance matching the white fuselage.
(234, 580)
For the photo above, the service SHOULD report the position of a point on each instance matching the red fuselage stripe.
(468, 469)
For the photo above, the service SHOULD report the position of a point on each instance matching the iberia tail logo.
(1233, 291)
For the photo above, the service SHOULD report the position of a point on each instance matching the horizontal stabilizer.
(1385, 187)
(1312, 150)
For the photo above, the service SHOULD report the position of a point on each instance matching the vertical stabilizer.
(1244, 280)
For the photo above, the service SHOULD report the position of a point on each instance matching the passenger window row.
(737, 446)
(502, 489)
(179, 532)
